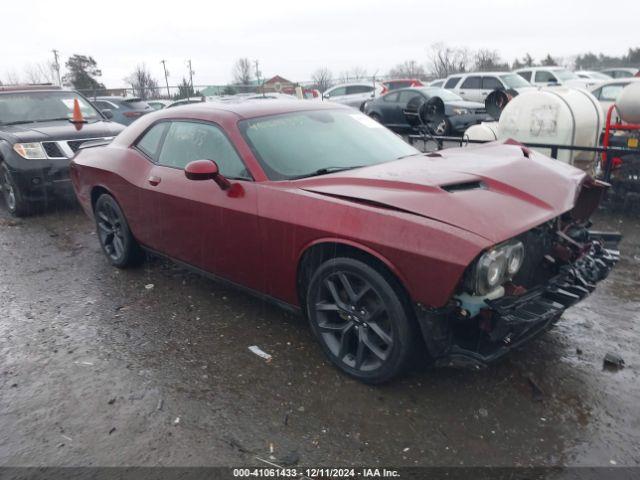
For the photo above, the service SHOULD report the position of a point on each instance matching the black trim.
(294, 309)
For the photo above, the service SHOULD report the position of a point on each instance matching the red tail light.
(133, 114)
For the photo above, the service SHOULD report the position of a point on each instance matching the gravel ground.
(151, 366)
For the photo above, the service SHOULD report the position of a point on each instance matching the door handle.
(153, 180)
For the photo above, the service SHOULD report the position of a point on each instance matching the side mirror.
(107, 113)
(206, 170)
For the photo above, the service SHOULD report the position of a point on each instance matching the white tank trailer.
(558, 116)
(628, 103)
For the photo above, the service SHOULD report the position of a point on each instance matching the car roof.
(352, 84)
(615, 81)
(44, 87)
(480, 73)
(115, 98)
(526, 69)
(253, 109)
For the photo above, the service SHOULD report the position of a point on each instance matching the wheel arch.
(317, 252)
(98, 190)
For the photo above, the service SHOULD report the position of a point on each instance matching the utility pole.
(56, 65)
(258, 73)
(191, 72)
(166, 76)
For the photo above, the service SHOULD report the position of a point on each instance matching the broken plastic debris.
(613, 361)
(176, 421)
(149, 286)
(258, 351)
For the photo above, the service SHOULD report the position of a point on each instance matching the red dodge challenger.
(459, 255)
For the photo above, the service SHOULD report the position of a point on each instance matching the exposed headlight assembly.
(460, 111)
(30, 151)
(496, 266)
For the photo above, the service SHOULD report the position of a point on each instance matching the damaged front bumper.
(511, 320)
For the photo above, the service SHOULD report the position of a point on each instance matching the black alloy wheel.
(360, 320)
(114, 234)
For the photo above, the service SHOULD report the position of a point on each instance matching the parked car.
(460, 114)
(437, 83)
(552, 76)
(186, 101)
(476, 86)
(353, 94)
(387, 251)
(621, 72)
(159, 103)
(401, 83)
(124, 109)
(607, 93)
(597, 77)
(37, 139)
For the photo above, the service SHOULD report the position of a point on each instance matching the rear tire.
(17, 205)
(360, 319)
(115, 237)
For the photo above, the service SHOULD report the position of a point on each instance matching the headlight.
(515, 258)
(30, 151)
(460, 111)
(495, 267)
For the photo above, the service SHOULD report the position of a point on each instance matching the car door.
(335, 94)
(470, 88)
(388, 105)
(489, 84)
(358, 94)
(545, 78)
(196, 221)
(405, 96)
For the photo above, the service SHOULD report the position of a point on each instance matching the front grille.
(74, 145)
(53, 150)
(480, 111)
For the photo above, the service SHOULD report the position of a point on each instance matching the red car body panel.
(256, 233)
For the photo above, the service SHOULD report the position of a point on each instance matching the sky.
(295, 38)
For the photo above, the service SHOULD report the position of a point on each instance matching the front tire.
(114, 234)
(360, 319)
(17, 205)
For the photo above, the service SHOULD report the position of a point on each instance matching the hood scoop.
(463, 186)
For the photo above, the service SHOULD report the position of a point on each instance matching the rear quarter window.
(149, 143)
(452, 82)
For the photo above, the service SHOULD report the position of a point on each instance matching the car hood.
(61, 130)
(495, 190)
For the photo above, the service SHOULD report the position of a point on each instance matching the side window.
(336, 92)
(407, 95)
(610, 93)
(596, 93)
(491, 83)
(189, 141)
(358, 89)
(103, 105)
(150, 142)
(526, 75)
(471, 82)
(452, 82)
(391, 97)
(544, 76)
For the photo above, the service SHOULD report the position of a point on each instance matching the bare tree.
(39, 73)
(352, 75)
(408, 69)
(528, 60)
(12, 78)
(322, 79)
(485, 60)
(142, 83)
(242, 71)
(549, 61)
(445, 60)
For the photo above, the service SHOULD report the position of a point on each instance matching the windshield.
(513, 80)
(27, 107)
(445, 95)
(302, 143)
(565, 74)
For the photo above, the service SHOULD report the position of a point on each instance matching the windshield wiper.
(43, 120)
(325, 171)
